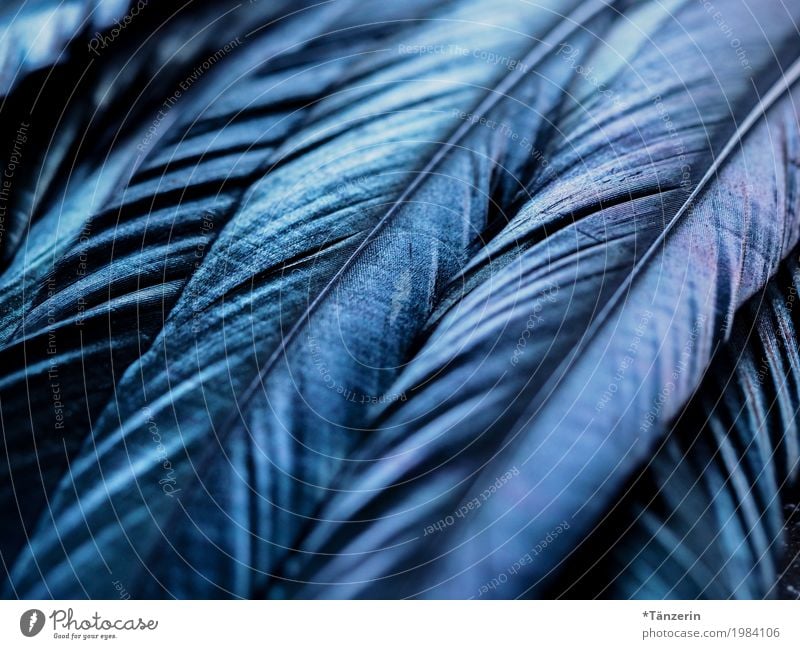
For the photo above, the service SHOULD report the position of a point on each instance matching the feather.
(704, 517)
(120, 262)
(102, 266)
(37, 34)
(354, 159)
(633, 277)
(375, 266)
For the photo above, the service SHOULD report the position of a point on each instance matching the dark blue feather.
(329, 184)
(616, 250)
(704, 518)
(286, 286)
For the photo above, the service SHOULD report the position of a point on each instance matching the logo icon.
(31, 622)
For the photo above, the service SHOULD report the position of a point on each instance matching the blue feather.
(585, 274)
(288, 287)
(704, 517)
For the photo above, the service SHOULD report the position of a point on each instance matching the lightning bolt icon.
(32, 621)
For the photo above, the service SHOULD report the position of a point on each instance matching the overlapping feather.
(376, 261)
